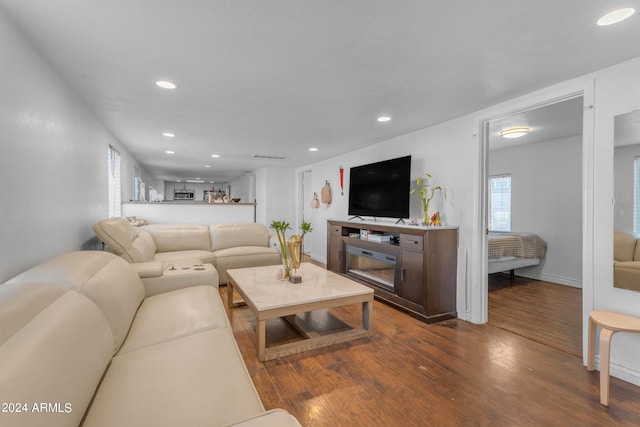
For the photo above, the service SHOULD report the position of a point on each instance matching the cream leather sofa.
(626, 254)
(81, 344)
(224, 246)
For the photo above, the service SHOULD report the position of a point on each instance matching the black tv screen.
(381, 189)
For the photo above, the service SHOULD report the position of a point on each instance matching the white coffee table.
(268, 298)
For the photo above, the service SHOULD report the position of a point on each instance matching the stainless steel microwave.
(183, 195)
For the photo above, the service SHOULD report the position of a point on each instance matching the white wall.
(275, 196)
(623, 169)
(546, 199)
(241, 187)
(53, 164)
(452, 153)
(436, 150)
(617, 92)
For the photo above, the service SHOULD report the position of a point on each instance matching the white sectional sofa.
(80, 343)
(152, 248)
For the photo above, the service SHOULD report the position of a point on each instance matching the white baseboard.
(553, 279)
(625, 373)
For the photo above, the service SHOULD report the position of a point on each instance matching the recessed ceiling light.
(207, 166)
(313, 149)
(616, 16)
(165, 84)
(169, 134)
(170, 152)
(215, 155)
(514, 132)
(384, 119)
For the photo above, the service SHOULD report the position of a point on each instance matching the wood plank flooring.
(451, 373)
(541, 311)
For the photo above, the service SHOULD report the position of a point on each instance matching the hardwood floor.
(544, 312)
(445, 374)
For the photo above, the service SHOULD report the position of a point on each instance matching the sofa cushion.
(180, 237)
(244, 257)
(176, 314)
(109, 281)
(624, 246)
(191, 381)
(205, 257)
(124, 240)
(225, 236)
(54, 347)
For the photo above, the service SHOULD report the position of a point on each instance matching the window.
(115, 197)
(136, 183)
(500, 203)
(636, 195)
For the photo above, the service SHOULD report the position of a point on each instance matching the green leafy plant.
(280, 228)
(426, 188)
(306, 228)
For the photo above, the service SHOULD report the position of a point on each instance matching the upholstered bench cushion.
(197, 380)
(175, 314)
(243, 257)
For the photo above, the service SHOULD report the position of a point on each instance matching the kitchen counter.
(190, 212)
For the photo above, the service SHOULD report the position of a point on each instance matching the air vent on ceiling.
(262, 156)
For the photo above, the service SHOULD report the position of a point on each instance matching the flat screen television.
(381, 189)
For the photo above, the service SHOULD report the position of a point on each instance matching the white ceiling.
(275, 77)
(558, 120)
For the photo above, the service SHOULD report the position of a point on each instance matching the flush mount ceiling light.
(169, 134)
(207, 166)
(384, 119)
(170, 152)
(313, 149)
(165, 84)
(215, 156)
(514, 132)
(616, 16)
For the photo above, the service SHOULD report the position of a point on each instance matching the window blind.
(500, 203)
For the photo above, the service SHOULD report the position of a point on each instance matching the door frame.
(585, 88)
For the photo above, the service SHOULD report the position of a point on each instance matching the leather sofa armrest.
(148, 269)
(273, 418)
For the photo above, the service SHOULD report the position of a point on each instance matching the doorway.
(305, 210)
(585, 256)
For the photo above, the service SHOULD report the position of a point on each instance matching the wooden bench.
(610, 323)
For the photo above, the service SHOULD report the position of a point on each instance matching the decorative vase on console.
(426, 188)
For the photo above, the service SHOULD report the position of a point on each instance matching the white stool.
(610, 323)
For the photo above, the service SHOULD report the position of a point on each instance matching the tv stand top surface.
(360, 223)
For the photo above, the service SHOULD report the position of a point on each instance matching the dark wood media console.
(414, 270)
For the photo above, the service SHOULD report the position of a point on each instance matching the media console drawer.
(411, 241)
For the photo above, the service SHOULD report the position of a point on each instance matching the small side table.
(610, 323)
